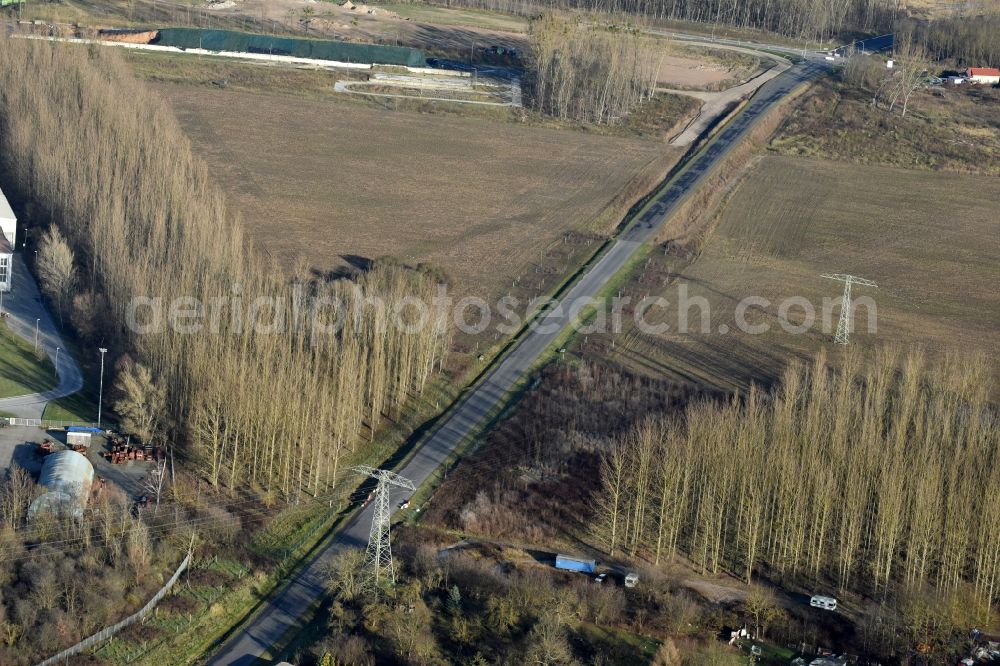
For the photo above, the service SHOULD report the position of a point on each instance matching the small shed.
(66, 477)
(79, 436)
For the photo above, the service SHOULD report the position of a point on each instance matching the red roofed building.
(983, 75)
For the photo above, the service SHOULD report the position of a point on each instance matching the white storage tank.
(66, 478)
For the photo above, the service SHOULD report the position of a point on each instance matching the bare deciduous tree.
(141, 402)
(763, 608)
(15, 495)
(56, 268)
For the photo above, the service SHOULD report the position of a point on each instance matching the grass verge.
(21, 370)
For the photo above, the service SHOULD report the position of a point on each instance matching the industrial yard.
(29, 447)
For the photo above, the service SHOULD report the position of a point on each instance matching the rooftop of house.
(984, 71)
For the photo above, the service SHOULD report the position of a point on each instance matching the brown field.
(322, 181)
(928, 239)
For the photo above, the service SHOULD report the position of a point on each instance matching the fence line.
(44, 423)
(108, 632)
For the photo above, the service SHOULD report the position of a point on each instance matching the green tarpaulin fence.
(229, 40)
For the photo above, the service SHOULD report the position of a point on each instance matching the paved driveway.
(23, 306)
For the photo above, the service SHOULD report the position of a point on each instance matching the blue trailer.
(575, 564)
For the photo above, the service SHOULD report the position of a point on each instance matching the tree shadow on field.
(362, 264)
(353, 266)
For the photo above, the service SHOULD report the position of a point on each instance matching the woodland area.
(63, 580)
(875, 484)
(242, 401)
(459, 606)
(795, 18)
(878, 477)
(97, 569)
(589, 74)
(964, 41)
(246, 397)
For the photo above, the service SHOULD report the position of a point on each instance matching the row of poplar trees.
(277, 404)
(589, 74)
(878, 476)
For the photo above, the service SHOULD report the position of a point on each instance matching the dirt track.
(717, 104)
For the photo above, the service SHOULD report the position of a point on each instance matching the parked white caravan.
(826, 603)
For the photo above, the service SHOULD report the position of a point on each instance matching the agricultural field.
(333, 183)
(928, 239)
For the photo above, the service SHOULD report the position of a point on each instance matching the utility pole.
(844, 323)
(36, 334)
(56, 366)
(378, 559)
(100, 391)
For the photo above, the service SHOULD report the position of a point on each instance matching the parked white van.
(819, 601)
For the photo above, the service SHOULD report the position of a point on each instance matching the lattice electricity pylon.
(844, 323)
(378, 559)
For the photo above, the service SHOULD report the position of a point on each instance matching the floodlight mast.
(844, 323)
(378, 558)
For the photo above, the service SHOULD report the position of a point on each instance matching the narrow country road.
(23, 306)
(290, 606)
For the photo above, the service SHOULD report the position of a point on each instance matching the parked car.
(405, 504)
(600, 578)
(631, 579)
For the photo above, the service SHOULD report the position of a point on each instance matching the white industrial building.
(8, 225)
(66, 477)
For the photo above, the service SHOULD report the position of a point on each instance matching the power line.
(378, 558)
(200, 521)
(471, 467)
(844, 323)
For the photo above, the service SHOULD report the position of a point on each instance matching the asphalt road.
(23, 306)
(291, 604)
